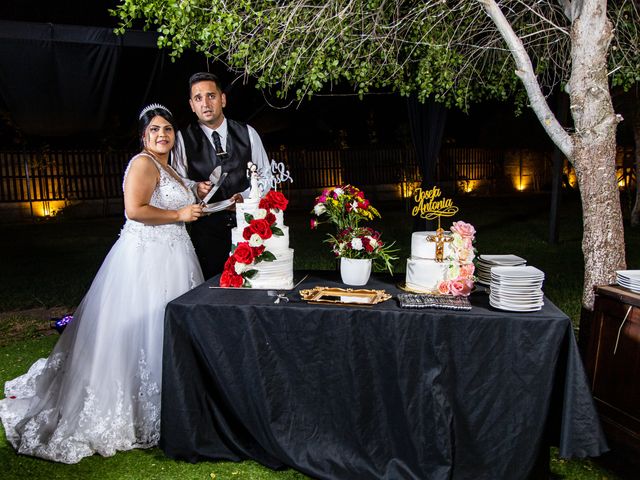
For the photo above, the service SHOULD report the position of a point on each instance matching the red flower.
(257, 251)
(314, 224)
(243, 253)
(274, 200)
(271, 218)
(230, 279)
(363, 204)
(366, 243)
(229, 264)
(261, 227)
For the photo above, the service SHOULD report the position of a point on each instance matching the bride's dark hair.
(148, 114)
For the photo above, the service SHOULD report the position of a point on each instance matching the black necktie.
(220, 153)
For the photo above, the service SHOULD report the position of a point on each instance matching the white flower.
(373, 242)
(319, 209)
(260, 214)
(356, 244)
(338, 191)
(458, 241)
(240, 267)
(255, 240)
(354, 206)
(454, 271)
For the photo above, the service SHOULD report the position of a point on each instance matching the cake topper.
(254, 175)
(430, 206)
(279, 174)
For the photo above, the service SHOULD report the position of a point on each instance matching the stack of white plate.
(629, 279)
(486, 262)
(517, 289)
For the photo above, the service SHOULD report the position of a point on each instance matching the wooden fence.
(31, 176)
(61, 175)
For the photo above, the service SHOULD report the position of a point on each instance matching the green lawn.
(51, 264)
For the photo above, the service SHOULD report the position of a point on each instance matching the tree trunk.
(635, 213)
(594, 151)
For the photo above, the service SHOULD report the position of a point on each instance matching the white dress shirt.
(258, 154)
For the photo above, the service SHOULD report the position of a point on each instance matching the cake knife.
(215, 187)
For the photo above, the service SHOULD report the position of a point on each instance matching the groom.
(214, 140)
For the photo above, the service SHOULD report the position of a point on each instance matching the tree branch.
(526, 73)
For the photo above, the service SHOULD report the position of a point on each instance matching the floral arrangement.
(260, 227)
(461, 267)
(345, 207)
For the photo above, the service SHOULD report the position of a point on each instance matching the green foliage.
(449, 50)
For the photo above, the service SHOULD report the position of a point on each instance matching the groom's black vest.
(202, 158)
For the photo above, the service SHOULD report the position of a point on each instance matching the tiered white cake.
(277, 274)
(424, 273)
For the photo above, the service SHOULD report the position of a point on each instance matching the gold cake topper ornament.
(440, 238)
(430, 206)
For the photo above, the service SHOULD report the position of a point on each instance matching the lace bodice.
(169, 194)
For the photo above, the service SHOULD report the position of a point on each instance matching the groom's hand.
(203, 189)
(235, 198)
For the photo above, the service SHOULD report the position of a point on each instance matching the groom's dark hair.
(204, 77)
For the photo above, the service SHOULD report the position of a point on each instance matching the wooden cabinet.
(612, 361)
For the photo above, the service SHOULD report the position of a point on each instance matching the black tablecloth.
(344, 392)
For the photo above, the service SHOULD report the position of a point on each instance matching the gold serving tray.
(344, 296)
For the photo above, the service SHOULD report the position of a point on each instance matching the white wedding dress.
(99, 390)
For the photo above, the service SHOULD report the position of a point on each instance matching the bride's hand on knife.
(190, 213)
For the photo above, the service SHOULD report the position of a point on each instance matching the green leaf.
(267, 256)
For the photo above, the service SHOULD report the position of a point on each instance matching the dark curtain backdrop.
(68, 75)
(427, 121)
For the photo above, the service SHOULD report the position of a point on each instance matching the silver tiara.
(152, 107)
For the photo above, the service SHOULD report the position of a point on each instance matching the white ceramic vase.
(355, 271)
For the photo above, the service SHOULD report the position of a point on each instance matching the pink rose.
(464, 229)
(443, 288)
(468, 285)
(465, 255)
(457, 288)
(467, 270)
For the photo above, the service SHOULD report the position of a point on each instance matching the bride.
(99, 390)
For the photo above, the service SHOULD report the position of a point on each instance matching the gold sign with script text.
(430, 206)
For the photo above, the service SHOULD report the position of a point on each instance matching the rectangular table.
(371, 392)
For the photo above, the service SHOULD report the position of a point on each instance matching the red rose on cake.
(243, 253)
(261, 227)
(274, 200)
(229, 277)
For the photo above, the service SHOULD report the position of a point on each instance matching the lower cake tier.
(272, 244)
(277, 274)
(424, 274)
